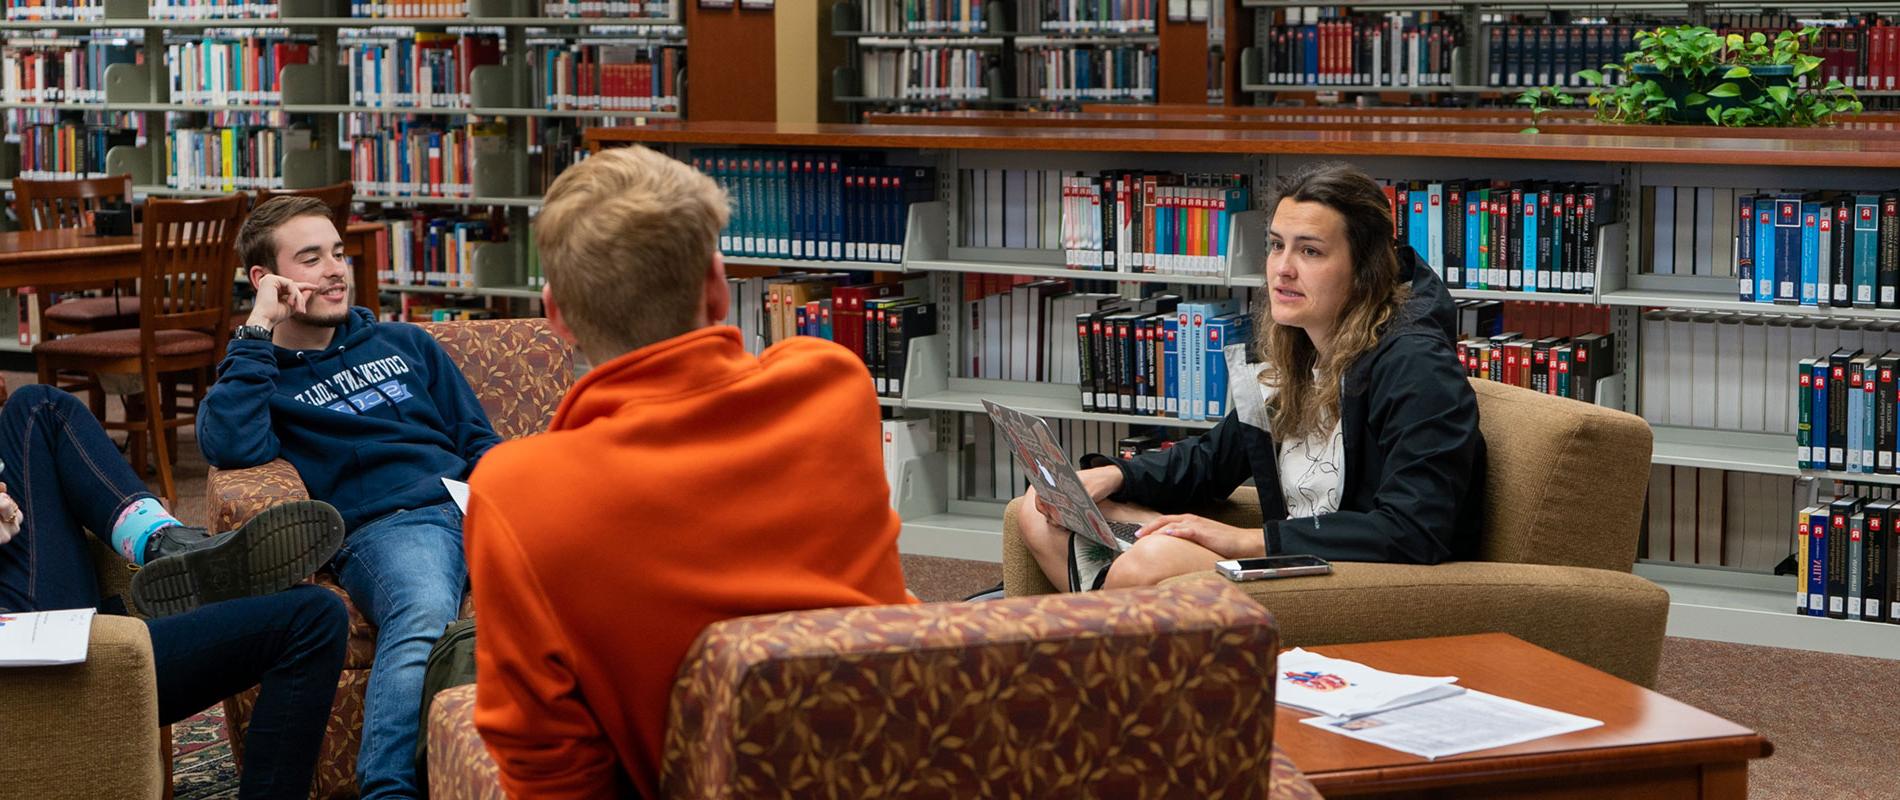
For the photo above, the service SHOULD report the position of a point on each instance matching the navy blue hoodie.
(373, 422)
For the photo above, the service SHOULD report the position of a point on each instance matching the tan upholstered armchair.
(520, 369)
(1563, 512)
(1030, 697)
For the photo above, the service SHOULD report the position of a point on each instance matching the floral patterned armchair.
(1146, 693)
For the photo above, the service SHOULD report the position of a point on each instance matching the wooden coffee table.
(1649, 746)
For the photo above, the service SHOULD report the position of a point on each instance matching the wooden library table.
(1649, 746)
(72, 255)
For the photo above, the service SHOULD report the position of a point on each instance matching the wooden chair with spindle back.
(184, 313)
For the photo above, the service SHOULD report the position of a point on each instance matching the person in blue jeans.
(239, 627)
(373, 415)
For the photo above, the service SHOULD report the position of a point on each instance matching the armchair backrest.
(1565, 480)
(1010, 698)
(519, 369)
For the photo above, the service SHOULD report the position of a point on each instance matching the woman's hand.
(9, 516)
(1226, 541)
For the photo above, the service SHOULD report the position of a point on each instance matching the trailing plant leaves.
(1736, 72)
(1726, 90)
(1695, 99)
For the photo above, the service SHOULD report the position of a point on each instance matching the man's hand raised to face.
(277, 298)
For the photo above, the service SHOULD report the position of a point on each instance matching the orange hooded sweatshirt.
(681, 484)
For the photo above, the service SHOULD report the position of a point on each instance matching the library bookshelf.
(510, 111)
(941, 515)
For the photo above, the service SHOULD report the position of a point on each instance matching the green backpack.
(451, 663)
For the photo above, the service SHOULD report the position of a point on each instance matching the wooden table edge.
(1531, 766)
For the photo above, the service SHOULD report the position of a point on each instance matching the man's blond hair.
(626, 237)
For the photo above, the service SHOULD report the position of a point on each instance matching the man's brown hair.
(625, 238)
(256, 244)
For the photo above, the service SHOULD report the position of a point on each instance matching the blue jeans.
(69, 478)
(405, 573)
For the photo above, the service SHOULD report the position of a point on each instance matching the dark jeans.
(69, 478)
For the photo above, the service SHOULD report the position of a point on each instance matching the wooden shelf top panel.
(1804, 151)
(1501, 121)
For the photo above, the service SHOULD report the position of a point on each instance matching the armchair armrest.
(460, 767)
(236, 495)
(1027, 697)
(49, 714)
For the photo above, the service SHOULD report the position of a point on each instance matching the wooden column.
(1183, 69)
(731, 73)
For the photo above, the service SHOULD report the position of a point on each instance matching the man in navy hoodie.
(373, 415)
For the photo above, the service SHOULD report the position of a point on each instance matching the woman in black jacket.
(1362, 434)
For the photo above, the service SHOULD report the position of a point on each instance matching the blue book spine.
(1745, 246)
(1787, 248)
(1417, 229)
(1866, 248)
(1869, 411)
(1474, 277)
(1854, 417)
(1765, 249)
(795, 199)
(1818, 443)
(1170, 365)
(1811, 253)
(1216, 375)
(1817, 563)
(1530, 241)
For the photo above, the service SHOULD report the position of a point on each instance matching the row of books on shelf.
(1087, 72)
(200, 9)
(1531, 318)
(68, 150)
(1555, 365)
(1848, 555)
(1162, 223)
(430, 249)
(1733, 371)
(1099, 16)
(588, 76)
(1847, 402)
(231, 70)
(59, 70)
(230, 159)
(1534, 236)
(875, 321)
(1786, 250)
(412, 9)
(411, 307)
(811, 205)
(1718, 518)
(1552, 54)
(1393, 49)
(56, 10)
(923, 16)
(608, 9)
(411, 159)
(936, 73)
(427, 70)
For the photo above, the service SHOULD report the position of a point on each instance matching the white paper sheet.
(458, 491)
(1466, 723)
(45, 638)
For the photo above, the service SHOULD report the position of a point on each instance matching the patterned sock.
(135, 526)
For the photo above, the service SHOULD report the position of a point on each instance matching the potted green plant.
(1693, 75)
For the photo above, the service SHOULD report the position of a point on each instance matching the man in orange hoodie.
(682, 482)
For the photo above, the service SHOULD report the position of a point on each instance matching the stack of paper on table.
(1332, 687)
(45, 638)
(1427, 717)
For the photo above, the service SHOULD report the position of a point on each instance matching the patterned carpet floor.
(202, 768)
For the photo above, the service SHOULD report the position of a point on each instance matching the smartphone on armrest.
(1255, 569)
